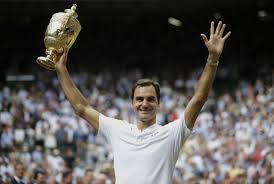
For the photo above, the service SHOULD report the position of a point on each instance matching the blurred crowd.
(43, 141)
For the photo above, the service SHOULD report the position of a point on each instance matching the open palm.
(215, 43)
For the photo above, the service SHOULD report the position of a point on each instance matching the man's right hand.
(61, 58)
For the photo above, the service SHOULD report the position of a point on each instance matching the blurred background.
(120, 42)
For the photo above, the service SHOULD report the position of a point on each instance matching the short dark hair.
(66, 173)
(146, 82)
(39, 171)
(89, 170)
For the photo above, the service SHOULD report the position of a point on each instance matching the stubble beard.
(146, 118)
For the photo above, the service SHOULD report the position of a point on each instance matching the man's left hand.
(215, 44)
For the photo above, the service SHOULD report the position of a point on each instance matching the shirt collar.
(17, 179)
(149, 128)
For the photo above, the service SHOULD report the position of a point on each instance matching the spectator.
(67, 177)
(18, 178)
(101, 179)
(88, 177)
(40, 176)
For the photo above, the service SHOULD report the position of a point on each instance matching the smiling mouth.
(145, 111)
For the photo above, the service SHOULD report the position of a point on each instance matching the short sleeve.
(109, 127)
(179, 133)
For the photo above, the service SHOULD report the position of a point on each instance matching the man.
(19, 173)
(88, 176)
(40, 176)
(146, 153)
(66, 177)
(101, 179)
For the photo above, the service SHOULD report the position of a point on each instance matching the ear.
(132, 106)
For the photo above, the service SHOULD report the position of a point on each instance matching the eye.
(139, 99)
(151, 99)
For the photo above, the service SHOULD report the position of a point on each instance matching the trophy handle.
(48, 61)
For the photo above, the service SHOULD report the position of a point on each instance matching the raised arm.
(76, 99)
(215, 46)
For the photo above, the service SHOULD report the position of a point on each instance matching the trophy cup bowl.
(62, 31)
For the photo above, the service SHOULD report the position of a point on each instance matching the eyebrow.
(151, 97)
(141, 97)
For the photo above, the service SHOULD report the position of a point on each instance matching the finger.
(66, 49)
(59, 51)
(227, 35)
(212, 28)
(65, 54)
(222, 30)
(204, 38)
(218, 28)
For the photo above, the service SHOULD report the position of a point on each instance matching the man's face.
(19, 171)
(145, 103)
(89, 176)
(101, 179)
(42, 178)
(68, 179)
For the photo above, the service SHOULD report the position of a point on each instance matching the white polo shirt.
(144, 157)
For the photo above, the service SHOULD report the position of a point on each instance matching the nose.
(145, 104)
